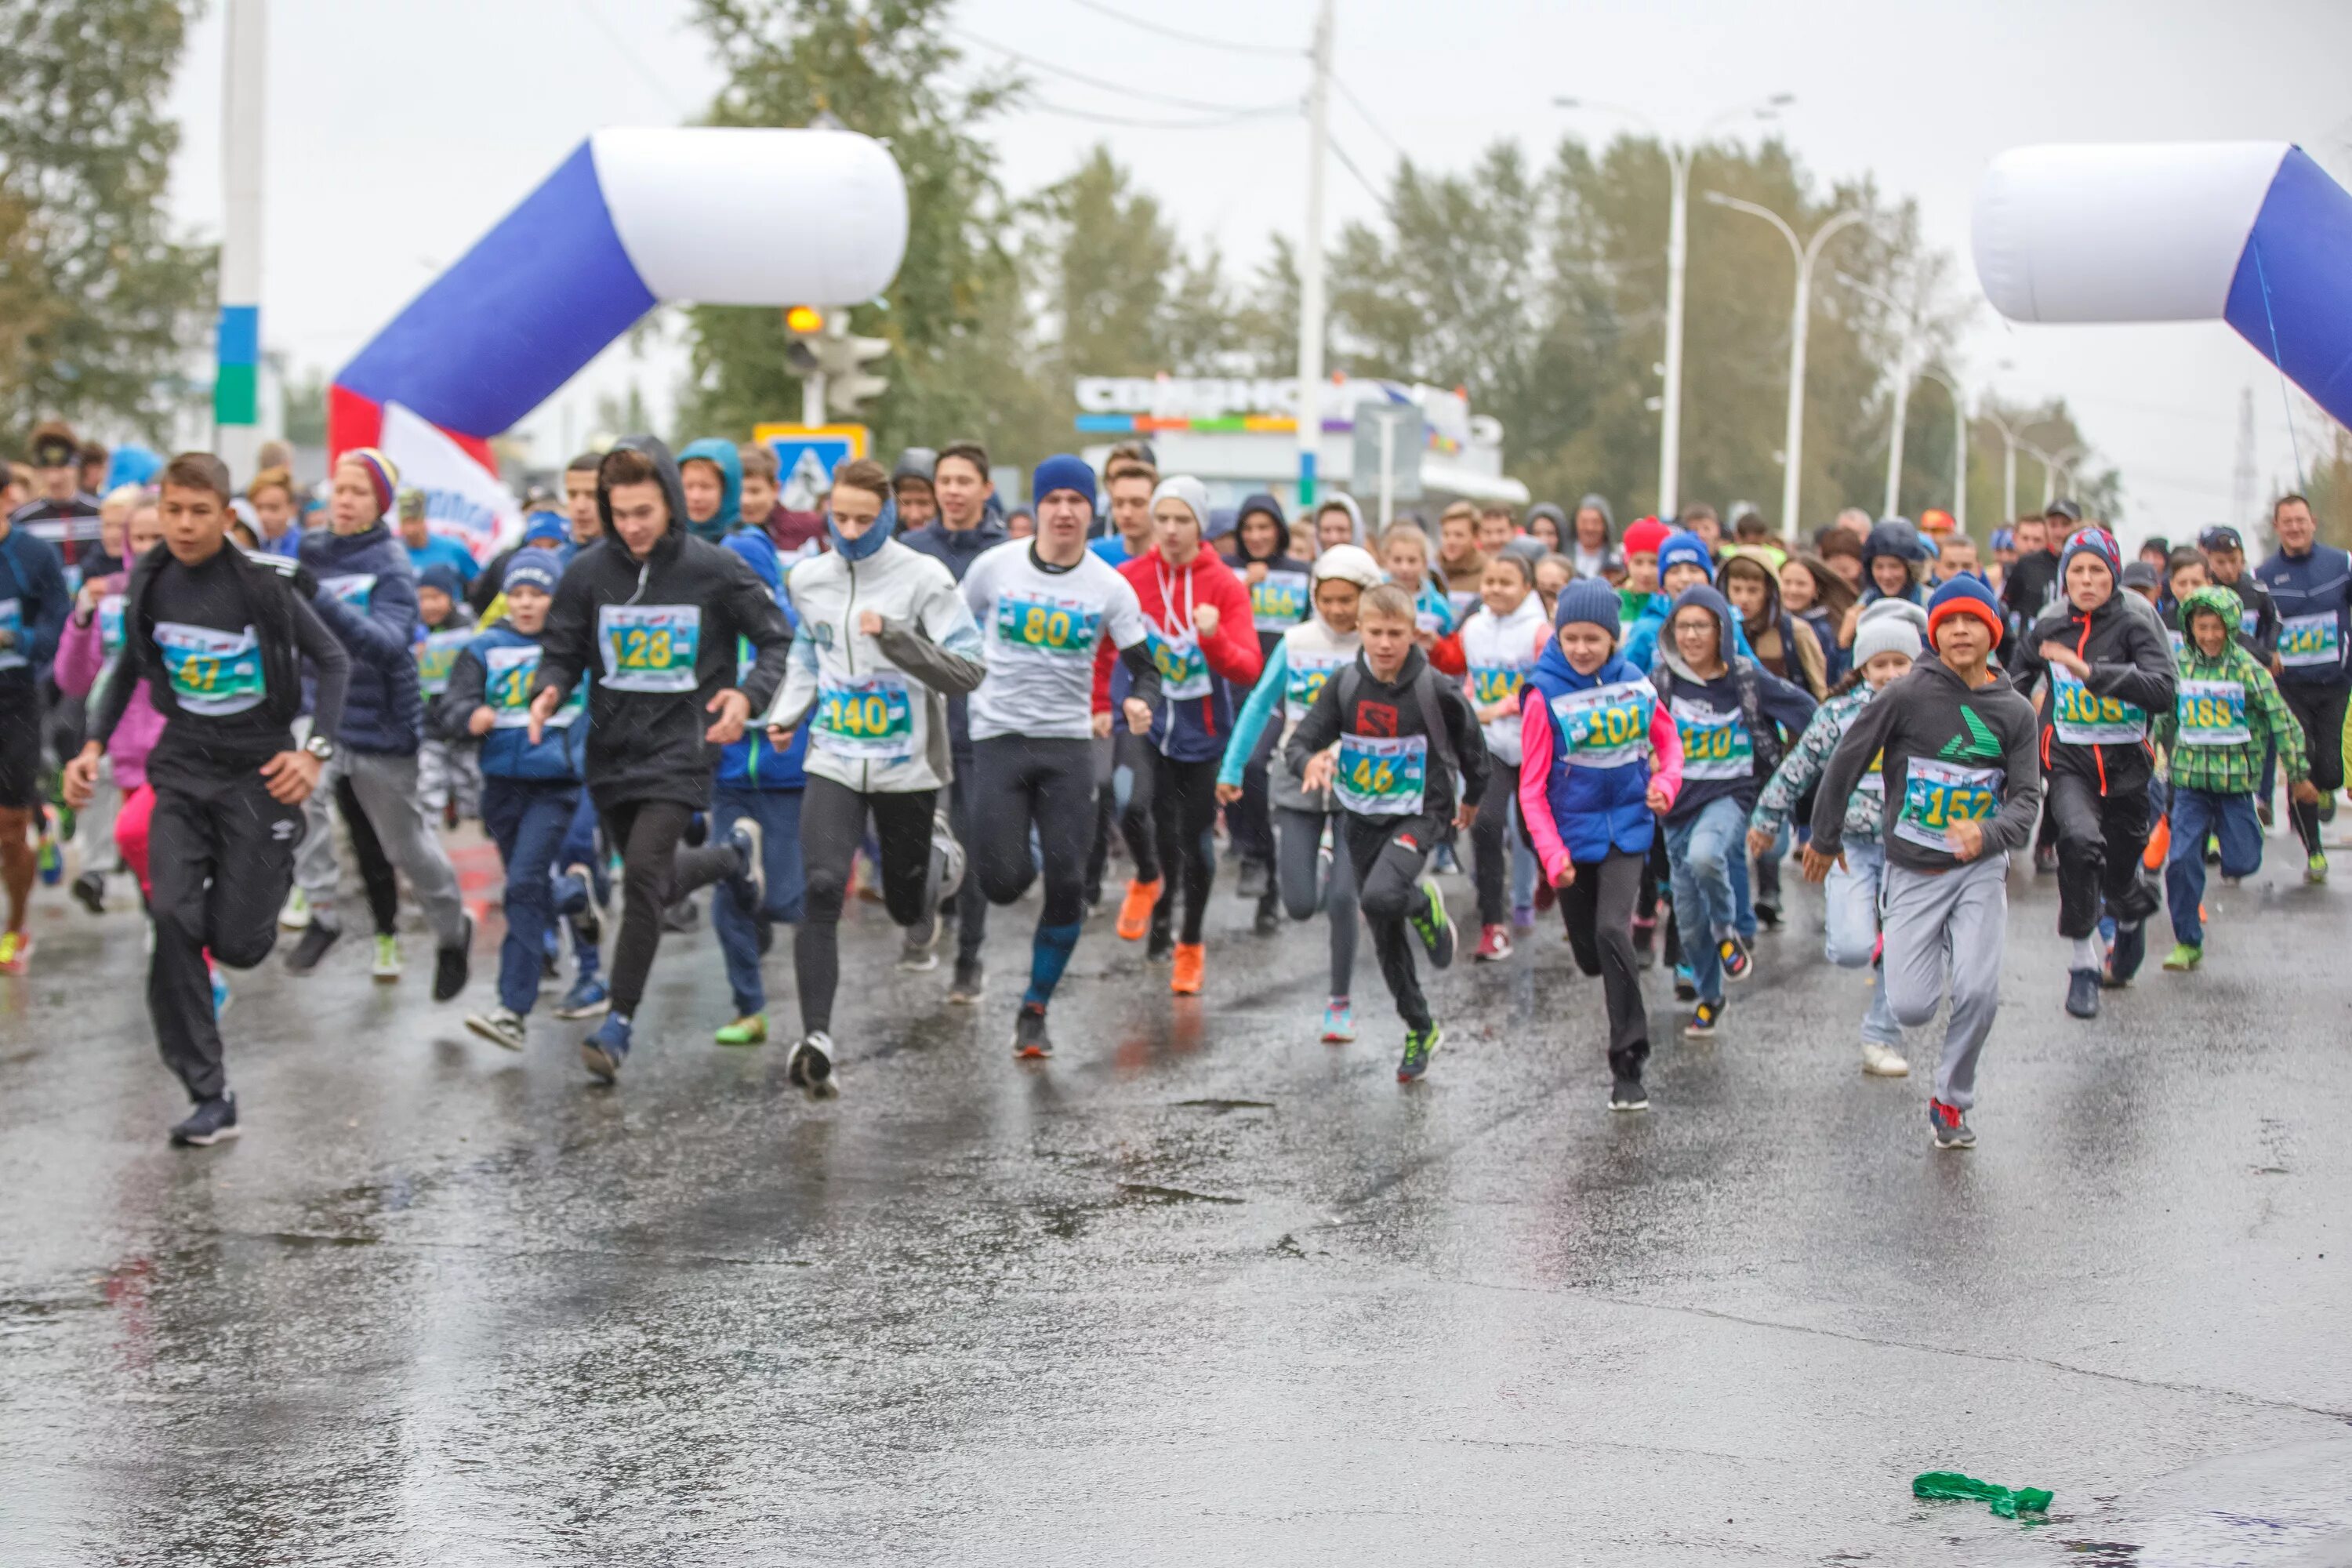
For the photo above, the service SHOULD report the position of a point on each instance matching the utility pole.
(2008, 465)
(237, 385)
(1959, 450)
(1310, 262)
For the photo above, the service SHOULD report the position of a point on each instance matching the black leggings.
(655, 874)
(1387, 873)
(1491, 843)
(1020, 783)
(1170, 826)
(2320, 710)
(833, 825)
(2100, 838)
(375, 866)
(1597, 909)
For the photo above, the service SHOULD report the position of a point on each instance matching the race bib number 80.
(1048, 626)
(649, 648)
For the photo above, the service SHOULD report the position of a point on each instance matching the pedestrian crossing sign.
(806, 456)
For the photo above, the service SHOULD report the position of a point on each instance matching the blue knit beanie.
(1589, 601)
(443, 576)
(1063, 472)
(532, 568)
(1685, 549)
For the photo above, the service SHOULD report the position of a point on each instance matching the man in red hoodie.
(1205, 642)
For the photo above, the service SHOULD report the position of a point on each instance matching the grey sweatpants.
(386, 788)
(1948, 923)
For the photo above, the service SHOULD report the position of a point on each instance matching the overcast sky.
(400, 129)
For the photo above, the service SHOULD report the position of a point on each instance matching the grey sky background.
(400, 129)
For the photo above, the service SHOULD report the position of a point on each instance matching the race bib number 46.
(871, 719)
(1048, 626)
(1607, 726)
(2212, 713)
(211, 672)
(1938, 793)
(2083, 718)
(1382, 777)
(649, 648)
(2309, 640)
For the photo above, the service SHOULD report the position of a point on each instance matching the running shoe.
(752, 1029)
(1686, 983)
(1162, 943)
(1949, 1124)
(2314, 870)
(1135, 909)
(296, 915)
(2263, 813)
(1769, 916)
(1883, 1061)
(1627, 1094)
(1420, 1044)
(2083, 992)
(1494, 945)
(317, 938)
(212, 1121)
(2124, 959)
(387, 967)
(221, 997)
(453, 965)
(971, 983)
(947, 854)
(811, 1066)
(1268, 922)
(1523, 918)
(2184, 957)
(89, 891)
(15, 951)
(681, 917)
(748, 885)
(1252, 881)
(1338, 1022)
(1732, 953)
(603, 1052)
(586, 999)
(500, 1026)
(1030, 1042)
(1191, 959)
(52, 865)
(1430, 922)
(575, 901)
(1704, 1020)
(915, 954)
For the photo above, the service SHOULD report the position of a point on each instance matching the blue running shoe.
(603, 1052)
(586, 999)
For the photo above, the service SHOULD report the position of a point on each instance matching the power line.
(1184, 38)
(1210, 123)
(1349, 164)
(1357, 105)
(636, 60)
(1123, 88)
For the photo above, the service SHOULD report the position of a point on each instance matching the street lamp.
(1959, 446)
(1908, 363)
(2008, 467)
(1806, 253)
(2053, 464)
(1678, 160)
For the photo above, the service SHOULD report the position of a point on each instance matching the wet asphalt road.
(1200, 1290)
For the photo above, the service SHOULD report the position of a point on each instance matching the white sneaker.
(1883, 1061)
(296, 915)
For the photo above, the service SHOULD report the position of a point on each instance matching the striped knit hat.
(382, 471)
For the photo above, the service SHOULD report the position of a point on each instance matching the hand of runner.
(1657, 800)
(1139, 715)
(1565, 875)
(779, 737)
(1966, 835)
(2064, 658)
(2305, 793)
(734, 710)
(1228, 794)
(542, 708)
(1760, 842)
(869, 622)
(1320, 769)
(1817, 865)
(1464, 814)
(481, 720)
(79, 777)
(1102, 725)
(1205, 618)
(290, 776)
(1254, 574)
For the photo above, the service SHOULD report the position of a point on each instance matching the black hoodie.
(621, 621)
(2105, 719)
(1286, 582)
(1387, 711)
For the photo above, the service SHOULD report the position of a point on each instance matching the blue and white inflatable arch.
(2251, 233)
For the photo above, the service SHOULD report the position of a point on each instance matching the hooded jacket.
(2099, 728)
(367, 596)
(656, 640)
(1388, 715)
(436, 651)
(496, 670)
(723, 456)
(1498, 654)
(1197, 674)
(2313, 595)
(1589, 749)
(754, 763)
(1729, 722)
(1281, 595)
(2227, 711)
(1303, 660)
(33, 600)
(1865, 812)
(1782, 643)
(1588, 561)
(1346, 504)
(81, 663)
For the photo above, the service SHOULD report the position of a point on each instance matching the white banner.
(462, 499)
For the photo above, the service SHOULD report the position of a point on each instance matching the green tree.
(97, 300)
(306, 408)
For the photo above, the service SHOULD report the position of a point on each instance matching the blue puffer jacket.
(722, 456)
(497, 668)
(367, 596)
(1598, 804)
(753, 762)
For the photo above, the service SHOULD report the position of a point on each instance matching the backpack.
(1351, 681)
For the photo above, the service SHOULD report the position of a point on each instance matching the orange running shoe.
(1135, 909)
(1192, 958)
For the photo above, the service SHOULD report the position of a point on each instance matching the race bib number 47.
(648, 648)
(211, 672)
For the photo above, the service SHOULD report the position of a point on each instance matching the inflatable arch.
(632, 219)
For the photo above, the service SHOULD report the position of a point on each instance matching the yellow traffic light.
(805, 319)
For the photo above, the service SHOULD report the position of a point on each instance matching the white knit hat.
(1890, 626)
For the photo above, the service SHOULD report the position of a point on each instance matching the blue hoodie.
(729, 464)
(367, 596)
(34, 581)
(1726, 722)
(2313, 596)
(753, 762)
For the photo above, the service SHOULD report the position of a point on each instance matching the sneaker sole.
(1629, 1107)
(1032, 1054)
(601, 1068)
(922, 965)
(810, 1070)
(1941, 1142)
(1871, 1069)
(572, 1014)
(482, 1026)
(385, 976)
(206, 1139)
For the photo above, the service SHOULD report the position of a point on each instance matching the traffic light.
(843, 355)
(804, 324)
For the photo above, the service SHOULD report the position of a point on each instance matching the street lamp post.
(2008, 468)
(1678, 161)
(1959, 449)
(1799, 320)
(2052, 465)
(1908, 363)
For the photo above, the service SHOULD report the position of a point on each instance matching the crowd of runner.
(669, 683)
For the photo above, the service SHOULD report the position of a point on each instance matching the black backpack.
(1424, 696)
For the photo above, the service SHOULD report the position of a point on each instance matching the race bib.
(1938, 793)
(870, 719)
(435, 652)
(2180, 640)
(2212, 713)
(2310, 641)
(1434, 621)
(212, 673)
(1065, 626)
(355, 589)
(2084, 719)
(1607, 726)
(649, 648)
(1279, 600)
(1183, 670)
(1302, 681)
(1493, 683)
(110, 624)
(1382, 777)
(507, 674)
(1460, 602)
(1716, 745)
(2249, 622)
(1875, 780)
(12, 621)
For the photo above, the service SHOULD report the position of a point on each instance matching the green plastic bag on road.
(2001, 1500)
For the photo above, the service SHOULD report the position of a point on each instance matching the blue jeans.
(1704, 852)
(527, 818)
(778, 813)
(2196, 815)
(1851, 898)
(580, 849)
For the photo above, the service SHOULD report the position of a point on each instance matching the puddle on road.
(2288, 1507)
